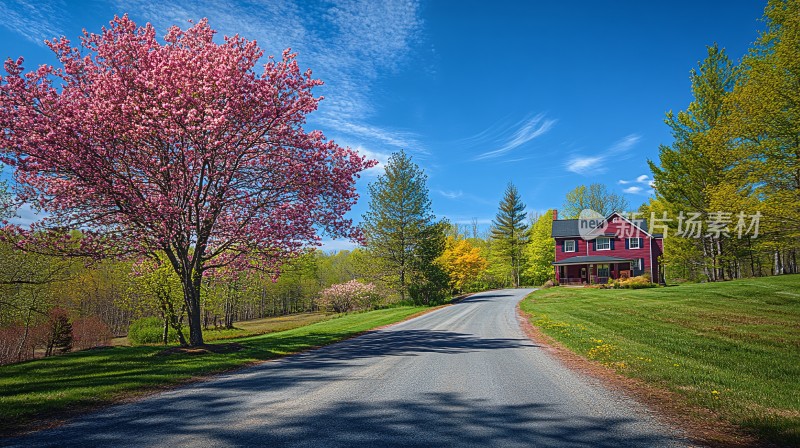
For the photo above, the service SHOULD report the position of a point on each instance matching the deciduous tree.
(540, 251)
(595, 197)
(177, 147)
(463, 262)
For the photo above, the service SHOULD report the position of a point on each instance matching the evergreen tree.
(400, 229)
(509, 232)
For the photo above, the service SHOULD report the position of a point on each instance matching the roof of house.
(569, 227)
(583, 259)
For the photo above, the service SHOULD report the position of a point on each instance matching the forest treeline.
(734, 163)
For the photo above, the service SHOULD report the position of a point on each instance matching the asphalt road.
(464, 375)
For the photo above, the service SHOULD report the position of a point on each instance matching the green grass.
(733, 347)
(59, 386)
(267, 325)
(253, 327)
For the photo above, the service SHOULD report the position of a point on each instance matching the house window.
(569, 246)
(636, 265)
(603, 244)
(602, 270)
(633, 243)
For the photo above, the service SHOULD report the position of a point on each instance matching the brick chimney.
(555, 214)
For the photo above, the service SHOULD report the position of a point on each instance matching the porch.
(592, 270)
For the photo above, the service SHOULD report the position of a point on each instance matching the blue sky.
(547, 95)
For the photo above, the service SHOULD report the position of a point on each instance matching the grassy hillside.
(60, 385)
(732, 347)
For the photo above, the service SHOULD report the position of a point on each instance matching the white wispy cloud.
(594, 164)
(348, 43)
(585, 164)
(451, 194)
(381, 157)
(512, 137)
(35, 21)
(461, 220)
(643, 184)
(387, 137)
(25, 215)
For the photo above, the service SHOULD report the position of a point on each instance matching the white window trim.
(574, 246)
(597, 246)
(630, 243)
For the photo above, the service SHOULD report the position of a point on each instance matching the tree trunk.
(25, 334)
(165, 336)
(402, 286)
(191, 295)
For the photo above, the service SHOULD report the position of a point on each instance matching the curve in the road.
(464, 375)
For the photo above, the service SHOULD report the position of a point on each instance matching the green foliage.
(763, 127)
(402, 236)
(509, 234)
(149, 330)
(430, 282)
(595, 197)
(540, 250)
(730, 347)
(736, 150)
(154, 282)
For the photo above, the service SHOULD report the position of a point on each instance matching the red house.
(620, 248)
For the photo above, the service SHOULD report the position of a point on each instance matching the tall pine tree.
(400, 228)
(509, 232)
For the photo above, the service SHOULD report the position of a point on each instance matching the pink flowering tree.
(350, 296)
(175, 147)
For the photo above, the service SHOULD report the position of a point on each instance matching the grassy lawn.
(57, 386)
(267, 325)
(253, 327)
(733, 347)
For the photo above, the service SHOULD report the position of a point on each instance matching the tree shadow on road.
(214, 417)
(237, 410)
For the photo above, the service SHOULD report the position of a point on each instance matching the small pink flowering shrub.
(350, 296)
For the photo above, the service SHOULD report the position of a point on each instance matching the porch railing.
(581, 281)
(571, 281)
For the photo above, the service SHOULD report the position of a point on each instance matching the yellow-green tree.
(764, 128)
(692, 168)
(463, 263)
(540, 250)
